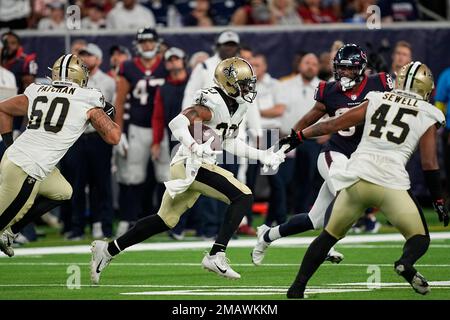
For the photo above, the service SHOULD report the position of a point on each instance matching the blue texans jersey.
(21, 65)
(338, 102)
(143, 85)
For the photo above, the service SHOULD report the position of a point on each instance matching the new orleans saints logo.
(229, 72)
(200, 100)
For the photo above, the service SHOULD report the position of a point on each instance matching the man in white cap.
(227, 46)
(90, 158)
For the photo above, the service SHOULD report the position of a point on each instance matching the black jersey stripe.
(18, 202)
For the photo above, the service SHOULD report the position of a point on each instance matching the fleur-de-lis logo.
(200, 100)
(229, 71)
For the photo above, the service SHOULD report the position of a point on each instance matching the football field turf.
(177, 274)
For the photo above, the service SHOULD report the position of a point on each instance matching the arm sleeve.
(319, 95)
(158, 118)
(241, 149)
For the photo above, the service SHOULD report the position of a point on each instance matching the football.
(202, 133)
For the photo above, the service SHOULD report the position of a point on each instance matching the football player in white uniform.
(58, 115)
(375, 176)
(194, 171)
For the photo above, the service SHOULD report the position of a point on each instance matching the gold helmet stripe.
(411, 74)
(64, 66)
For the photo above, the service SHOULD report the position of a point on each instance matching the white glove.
(272, 160)
(204, 149)
(122, 146)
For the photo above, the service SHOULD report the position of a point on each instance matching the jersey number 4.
(379, 120)
(37, 114)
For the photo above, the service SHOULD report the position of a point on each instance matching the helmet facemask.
(348, 81)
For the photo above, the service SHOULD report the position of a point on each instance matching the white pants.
(133, 168)
(325, 161)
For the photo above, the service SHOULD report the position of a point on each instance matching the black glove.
(110, 110)
(293, 140)
(7, 138)
(441, 210)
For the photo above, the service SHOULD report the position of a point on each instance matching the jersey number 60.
(37, 114)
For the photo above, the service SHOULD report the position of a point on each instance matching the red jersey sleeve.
(158, 118)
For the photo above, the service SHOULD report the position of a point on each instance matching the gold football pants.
(211, 181)
(398, 206)
(18, 191)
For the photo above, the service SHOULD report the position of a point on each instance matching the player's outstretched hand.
(441, 210)
(293, 140)
(272, 160)
(204, 149)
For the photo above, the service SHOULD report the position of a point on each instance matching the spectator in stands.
(197, 58)
(245, 52)
(284, 12)
(200, 16)
(161, 11)
(401, 56)
(14, 14)
(357, 12)
(8, 88)
(90, 158)
(398, 10)
(55, 20)
(128, 14)
(255, 12)
(223, 10)
(118, 55)
(271, 114)
(297, 95)
(95, 18)
(295, 62)
(311, 11)
(77, 45)
(167, 105)
(326, 61)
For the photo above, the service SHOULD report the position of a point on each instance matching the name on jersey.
(68, 90)
(398, 99)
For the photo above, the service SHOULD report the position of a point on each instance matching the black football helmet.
(350, 56)
(147, 34)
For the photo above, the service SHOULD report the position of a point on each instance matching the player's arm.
(123, 87)
(108, 129)
(430, 167)
(15, 106)
(313, 115)
(349, 119)
(180, 124)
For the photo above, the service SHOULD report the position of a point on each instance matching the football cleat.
(6, 242)
(259, 251)
(334, 256)
(100, 259)
(97, 232)
(418, 282)
(296, 292)
(219, 264)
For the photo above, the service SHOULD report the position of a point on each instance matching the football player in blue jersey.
(333, 98)
(138, 80)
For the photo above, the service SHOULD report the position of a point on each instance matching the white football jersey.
(395, 121)
(223, 123)
(58, 116)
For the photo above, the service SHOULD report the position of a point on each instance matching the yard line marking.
(240, 243)
(234, 293)
(188, 264)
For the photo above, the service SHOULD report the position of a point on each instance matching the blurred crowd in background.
(132, 14)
